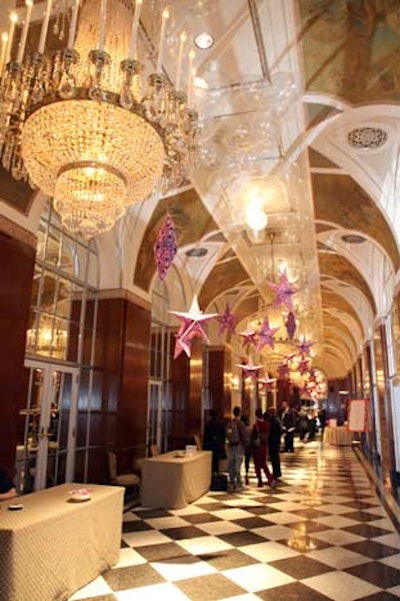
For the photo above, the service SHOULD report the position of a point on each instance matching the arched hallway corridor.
(322, 534)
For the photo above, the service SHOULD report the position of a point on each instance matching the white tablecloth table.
(53, 546)
(339, 435)
(173, 482)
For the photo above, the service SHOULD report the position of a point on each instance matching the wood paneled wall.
(122, 356)
(219, 365)
(16, 274)
(194, 406)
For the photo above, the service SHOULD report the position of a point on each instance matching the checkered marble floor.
(321, 535)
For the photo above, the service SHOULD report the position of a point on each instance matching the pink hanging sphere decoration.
(291, 325)
(165, 247)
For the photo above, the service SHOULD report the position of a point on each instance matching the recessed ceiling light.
(196, 252)
(353, 239)
(204, 40)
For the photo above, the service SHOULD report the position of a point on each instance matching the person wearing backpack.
(236, 438)
(259, 441)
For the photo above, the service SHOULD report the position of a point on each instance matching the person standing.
(322, 421)
(274, 441)
(302, 423)
(259, 441)
(7, 487)
(312, 425)
(236, 437)
(288, 421)
(214, 439)
(247, 449)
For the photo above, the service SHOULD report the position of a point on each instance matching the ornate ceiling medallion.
(367, 138)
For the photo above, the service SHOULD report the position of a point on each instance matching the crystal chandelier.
(83, 127)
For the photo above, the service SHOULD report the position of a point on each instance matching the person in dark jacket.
(322, 421)
(214, 439)
(259, 442)
(7, 487)
(247, 449)
(274, 440)
(288, 420)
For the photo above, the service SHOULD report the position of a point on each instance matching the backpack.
(232, 433)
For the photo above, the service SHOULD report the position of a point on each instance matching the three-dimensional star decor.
(265, 335)
(192, 326)
(249, 337)
(304, 366)
(249, 370)
(267, 381)
(304, 347)
(165, 247)
(227, 321)
(284, 291)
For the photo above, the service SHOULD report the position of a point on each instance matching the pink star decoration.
(267, 381)
(249, 337)
(165, 247)
(265, 335)
(303, 366)
(249, 369)
(284, 291)
(192, 326)
(227, 321)
(304, 347)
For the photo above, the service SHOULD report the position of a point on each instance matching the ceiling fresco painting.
(340, 200)
(352, 48)
(340, 268)
(332, 299)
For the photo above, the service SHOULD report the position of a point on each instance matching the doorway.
(47, 426)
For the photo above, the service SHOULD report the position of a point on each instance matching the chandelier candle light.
(76, 123)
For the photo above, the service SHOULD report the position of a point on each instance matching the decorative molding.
(12, 229)
(120, 293)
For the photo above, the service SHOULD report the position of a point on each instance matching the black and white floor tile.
(321, 535)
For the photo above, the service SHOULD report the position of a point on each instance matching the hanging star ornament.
(284, 291)
(249, 337)
(192, 326)
(304, 347)
(265, 335)
(304, 366)
(291, 325)
(227, 321)
(165, 247)
(249, 370)
(267, 381)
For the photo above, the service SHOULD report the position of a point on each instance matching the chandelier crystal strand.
(79, 126)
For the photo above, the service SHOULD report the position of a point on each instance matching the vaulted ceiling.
(321, 131)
